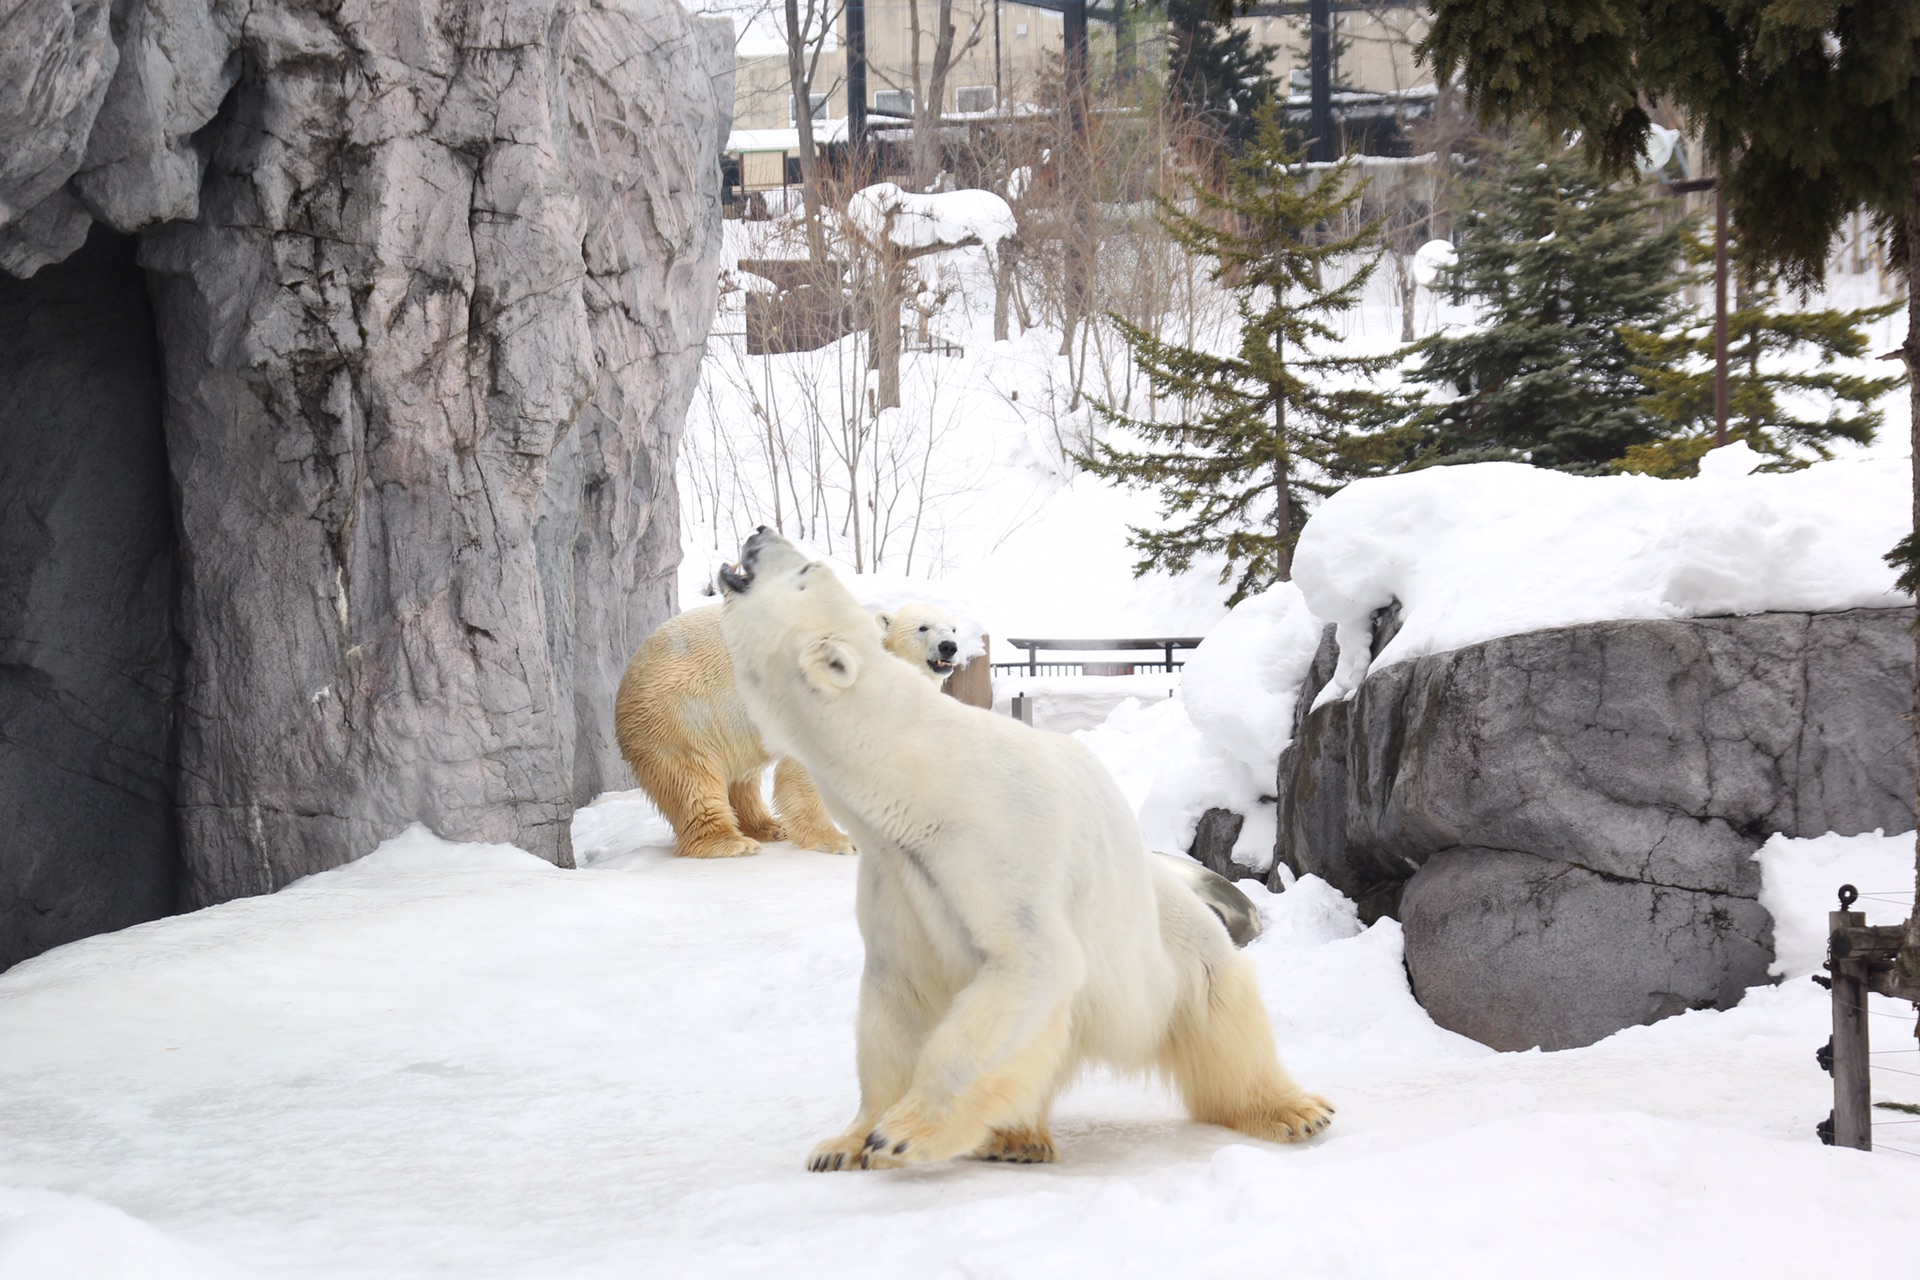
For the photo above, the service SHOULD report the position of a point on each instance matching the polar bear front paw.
(838, 1153)
(1294, 1120)
(1017, 1146)
(721, 847)
(832, 840)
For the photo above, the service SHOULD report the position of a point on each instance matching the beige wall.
(1378, 54)
(1374, 49)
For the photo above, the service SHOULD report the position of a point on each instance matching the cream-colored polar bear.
(695, 751)
(1015, 926)
(920, 632)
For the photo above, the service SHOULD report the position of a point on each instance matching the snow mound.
(418, 849)
(1217, 743)
(936, 218)
(45, 1235)
(1799, 881)
(1241, 683)
(1494, 549)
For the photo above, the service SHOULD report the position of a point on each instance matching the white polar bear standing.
(1015, 926)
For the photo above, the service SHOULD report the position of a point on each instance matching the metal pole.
(1073, 33)
(999, 84)
(857, 88)
(1720, 321)
(1320, 75)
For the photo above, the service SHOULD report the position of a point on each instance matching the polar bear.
(923, 633)
(697, 755)
(1015, 926)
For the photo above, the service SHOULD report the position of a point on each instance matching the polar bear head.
(794, 629)
(922, 635)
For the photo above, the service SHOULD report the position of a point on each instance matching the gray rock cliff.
(430, 287)
(1565, 820)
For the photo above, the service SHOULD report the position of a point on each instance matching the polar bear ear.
(830, 665)
(885, 620)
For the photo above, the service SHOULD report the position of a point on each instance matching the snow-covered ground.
(456, 1060)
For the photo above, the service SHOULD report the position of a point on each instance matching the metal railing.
(1164, 645)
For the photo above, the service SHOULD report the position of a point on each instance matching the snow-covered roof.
(745, 140)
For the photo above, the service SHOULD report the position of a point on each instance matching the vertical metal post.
(857, 88)
(1720, 395)
(999, 82)
(1320, 80)
(1852, 1082)
(1073, 33)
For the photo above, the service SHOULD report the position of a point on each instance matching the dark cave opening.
(89, 659)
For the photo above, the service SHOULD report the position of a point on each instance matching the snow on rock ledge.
(1475, 552)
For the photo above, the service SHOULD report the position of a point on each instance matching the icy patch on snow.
(1496, 549)
(1799, 881)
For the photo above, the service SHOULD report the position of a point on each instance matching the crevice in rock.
(89, 657)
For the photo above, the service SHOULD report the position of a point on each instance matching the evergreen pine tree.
(1266, 426)
(1219, 75)
(1559, 259)
(1809, 112)
(1778, 362)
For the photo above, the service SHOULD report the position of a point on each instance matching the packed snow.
(458, 1059)
(916, 220)
(1475, 552)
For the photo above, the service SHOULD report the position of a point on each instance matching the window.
(819, 101)
(973, 97)
(893, 102)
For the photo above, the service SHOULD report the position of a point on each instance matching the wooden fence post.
(972, 683)
(1852, 1083)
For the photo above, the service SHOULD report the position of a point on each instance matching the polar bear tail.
(1219, 1051)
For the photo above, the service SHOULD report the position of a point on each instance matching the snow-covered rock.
(1618, 775)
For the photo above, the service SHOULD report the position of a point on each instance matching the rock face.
(1565, 820)
(88, 657)
(430, 285)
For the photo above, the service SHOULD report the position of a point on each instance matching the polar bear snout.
(941, 659)
(736, 578)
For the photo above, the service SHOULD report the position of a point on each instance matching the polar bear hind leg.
(798, 802)
(1219, 1051)
(750, 810)
(693, 795)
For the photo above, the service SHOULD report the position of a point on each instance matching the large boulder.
(1565, 820)
(430, 287)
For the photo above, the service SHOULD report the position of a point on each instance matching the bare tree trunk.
(1910, 351)
(1283, 498)
(1409, 291)
(1006, 258)
(799, 76)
